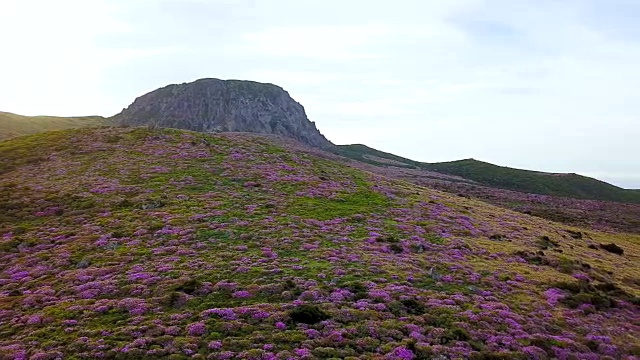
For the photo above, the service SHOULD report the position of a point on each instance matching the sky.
(549, 85)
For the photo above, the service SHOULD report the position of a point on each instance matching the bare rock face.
(213, 105)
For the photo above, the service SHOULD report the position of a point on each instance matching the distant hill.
(370, 155)
(213, 105)
(568, 185)
(12, 125)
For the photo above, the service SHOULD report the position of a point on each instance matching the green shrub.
(612, 248)
(189, 286)
(308, 314)
(413, 307)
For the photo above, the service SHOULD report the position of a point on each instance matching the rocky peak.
(213, 105)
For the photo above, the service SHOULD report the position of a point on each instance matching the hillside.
(135, 243)
(12, 125)
(372, 156)
(570, 185)
(527, 181)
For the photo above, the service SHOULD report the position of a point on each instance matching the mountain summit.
(213, 105)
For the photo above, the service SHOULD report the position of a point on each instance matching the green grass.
(363, 201)
(13, 125)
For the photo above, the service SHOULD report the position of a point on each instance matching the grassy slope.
(12, 125)
(569, 185)
(132, 243)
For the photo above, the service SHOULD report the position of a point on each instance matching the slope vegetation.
(12, 125)
(372, 156)
(569, 185)
(135, 244)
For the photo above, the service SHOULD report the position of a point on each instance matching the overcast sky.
(549, 85)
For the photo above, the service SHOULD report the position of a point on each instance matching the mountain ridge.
(214, 105)
(532, 181)
(237, 105)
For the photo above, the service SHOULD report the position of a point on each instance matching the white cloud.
(56, 67)
(341, 43)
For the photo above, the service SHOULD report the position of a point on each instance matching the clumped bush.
(545, 243)
(599, 301)
(189, 286)
(533, 258)
(489, 355)
(395, 248)
(413, 307)
(456, 334)
(388, 239)
(575, 234)
(612, 248)
(174, 300)
(326, 353)
(308, 314)
(421, 350)
(357, 288)
(601, 296)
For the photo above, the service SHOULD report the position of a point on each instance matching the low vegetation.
(131, 243)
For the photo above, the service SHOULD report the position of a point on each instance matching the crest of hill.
(137, 243)
(213, 105)
(527, 181)
(12, 125)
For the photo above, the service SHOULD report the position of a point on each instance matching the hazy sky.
(550, 85)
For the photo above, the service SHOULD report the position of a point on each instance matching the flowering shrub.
(161, 245)
(196, 329)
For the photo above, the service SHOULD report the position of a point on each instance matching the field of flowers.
(601, 215)
(130, 243)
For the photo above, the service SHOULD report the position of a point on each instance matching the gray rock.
(213, 105)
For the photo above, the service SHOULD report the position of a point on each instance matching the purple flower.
(582, 277)
(312, 333)
(20, 275)
(196, 329)
(280, 325)
(261, 315)
(380, 295)
(535, 353)
(242, 294)
(401, 353)
(227, 314)
(302, 352)
(215, 345)
(34, 320)
(553, 295)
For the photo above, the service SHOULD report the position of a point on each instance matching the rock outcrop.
(213, 105)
